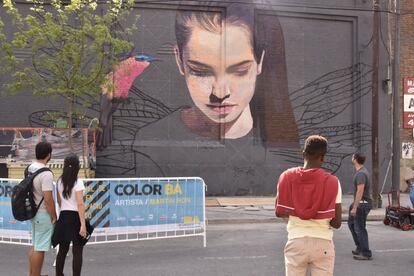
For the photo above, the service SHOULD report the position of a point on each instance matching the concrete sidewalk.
(265, 213)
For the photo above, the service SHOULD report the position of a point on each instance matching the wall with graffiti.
(229, 91)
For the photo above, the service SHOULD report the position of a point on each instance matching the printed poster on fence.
(144, 205)
(124, 206)
(9, 227)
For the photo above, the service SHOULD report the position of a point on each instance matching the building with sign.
(407, 91)
(408, 103)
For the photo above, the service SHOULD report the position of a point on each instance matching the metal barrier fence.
(126, 209)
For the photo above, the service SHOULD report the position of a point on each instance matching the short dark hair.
(43, 149)
(359, 157)
(315, 146)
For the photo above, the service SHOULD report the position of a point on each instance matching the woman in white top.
(71, 226)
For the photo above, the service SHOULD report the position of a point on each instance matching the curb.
(242, 221)
(373, 217)
(276, 220)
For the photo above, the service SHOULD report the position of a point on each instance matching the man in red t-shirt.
(311, 199)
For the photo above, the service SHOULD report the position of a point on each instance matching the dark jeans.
(412, 194)
(357, 225)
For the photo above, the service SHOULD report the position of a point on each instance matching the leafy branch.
(71, 47)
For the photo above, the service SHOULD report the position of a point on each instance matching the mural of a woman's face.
(220, 70)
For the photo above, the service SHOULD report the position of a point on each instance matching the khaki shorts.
(307, 253)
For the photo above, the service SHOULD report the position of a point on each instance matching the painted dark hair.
(273, 119)
(70, 174)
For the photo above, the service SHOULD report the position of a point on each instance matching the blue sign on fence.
(125, 206)
(9, 227)
(145, 204)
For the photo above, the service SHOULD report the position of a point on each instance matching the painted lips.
(221, 109)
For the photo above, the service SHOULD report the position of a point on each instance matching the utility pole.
(396, 109)
(374, 116)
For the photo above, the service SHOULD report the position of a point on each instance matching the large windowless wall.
(235, 89)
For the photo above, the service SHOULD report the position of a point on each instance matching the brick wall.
(406, 70)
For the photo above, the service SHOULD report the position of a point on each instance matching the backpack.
(22, 200)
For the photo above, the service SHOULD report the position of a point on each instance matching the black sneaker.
(355, 252)
(362, 257)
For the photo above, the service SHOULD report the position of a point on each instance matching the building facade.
(229, 91)
(406, 71)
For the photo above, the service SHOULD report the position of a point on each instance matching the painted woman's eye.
(200, 73)
(241, 73)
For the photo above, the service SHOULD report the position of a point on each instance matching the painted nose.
(215, 99)
(220, 91)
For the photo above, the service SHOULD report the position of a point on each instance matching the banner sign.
(11, 230)
(408, 115)
(142, 206)
(125, 209)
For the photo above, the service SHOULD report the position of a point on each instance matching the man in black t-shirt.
(359, 209)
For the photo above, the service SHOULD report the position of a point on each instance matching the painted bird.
(144, 57)
(124, 74)
(115, 90)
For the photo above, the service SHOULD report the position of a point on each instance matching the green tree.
(72, 46)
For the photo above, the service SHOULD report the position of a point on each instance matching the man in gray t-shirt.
(359, 209)
(362, 177)
(42, 223)
(43, 182)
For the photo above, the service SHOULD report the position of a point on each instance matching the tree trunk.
(84, 151)
(69, 126)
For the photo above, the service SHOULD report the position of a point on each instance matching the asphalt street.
(232, 249)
